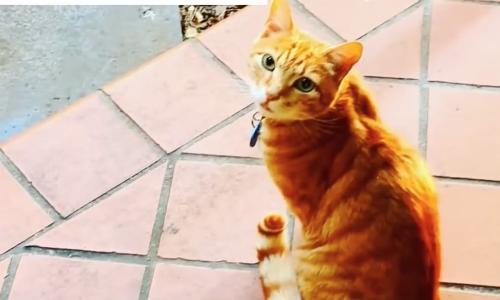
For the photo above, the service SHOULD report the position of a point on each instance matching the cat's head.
(292, 75)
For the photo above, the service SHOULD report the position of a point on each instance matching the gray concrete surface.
(51, 56)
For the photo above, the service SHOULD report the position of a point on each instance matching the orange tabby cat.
(364, 197)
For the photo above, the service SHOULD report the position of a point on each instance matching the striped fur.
(364, 196)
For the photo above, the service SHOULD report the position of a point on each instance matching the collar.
(256, 124)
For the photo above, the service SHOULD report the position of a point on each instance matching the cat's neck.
(305, 158)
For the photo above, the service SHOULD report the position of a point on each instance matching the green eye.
(304, 84)
(268, 62)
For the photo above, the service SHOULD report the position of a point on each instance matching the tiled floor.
(147, 188)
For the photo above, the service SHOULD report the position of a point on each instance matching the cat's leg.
(276, 270)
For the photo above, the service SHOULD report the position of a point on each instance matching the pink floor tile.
(20, 215)
(175, 107)
(214, 209)
(80, 154)
(55, 278)
(124, 221)
(173, 282)
(354, 18)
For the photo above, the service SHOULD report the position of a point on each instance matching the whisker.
(238, 86)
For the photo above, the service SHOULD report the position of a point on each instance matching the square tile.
(399, 106)
(171, 99)
(55, 278)
(21, 217)
(394, 51)
(79, 154)
(462, 130)
(469, 233)
(464, 43)
(174, 282)
(232, 39)
(124, 220)
(213, 211)
(354, 18)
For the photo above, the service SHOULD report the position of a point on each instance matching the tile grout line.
(221, 159)
(128, 258)
(377, 79)
(485, 290)
(480, 2)
(129, 121)
(224, 265)
(394, 19)
(198, 43)
(29, 188)
(423, 82)
(302, 8)
(434, 84)
(467, 86)
(467, 180)
(156, 233)
(221, 125)
(9, 279)
(20, 248)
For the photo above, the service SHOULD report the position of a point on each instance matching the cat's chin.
(277, 117)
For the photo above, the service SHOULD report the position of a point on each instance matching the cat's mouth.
(265, 107)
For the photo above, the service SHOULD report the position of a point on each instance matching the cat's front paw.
(273, 224)
(272, 237)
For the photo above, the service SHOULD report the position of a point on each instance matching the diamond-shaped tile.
(449, 294)
(232, 39)
(79, 154)
(399, 107)
(354, 18)
(21, 217)
(469, 233)
(124, 221)
(464, 43)
(462, 133)
(213, 210)
(172, 99)
(173, 282)
(56, 278)
(232, 140)
(394, 51)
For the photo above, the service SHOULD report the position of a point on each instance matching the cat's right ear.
(279, 20)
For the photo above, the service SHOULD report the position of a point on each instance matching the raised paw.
(272, 237)
(272, 224)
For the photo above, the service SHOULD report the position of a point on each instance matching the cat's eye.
(268, 62)
(304, 84)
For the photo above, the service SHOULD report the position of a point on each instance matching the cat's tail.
(277, 274)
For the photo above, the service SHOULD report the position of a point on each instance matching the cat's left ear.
(280, 18)
(344, 56)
